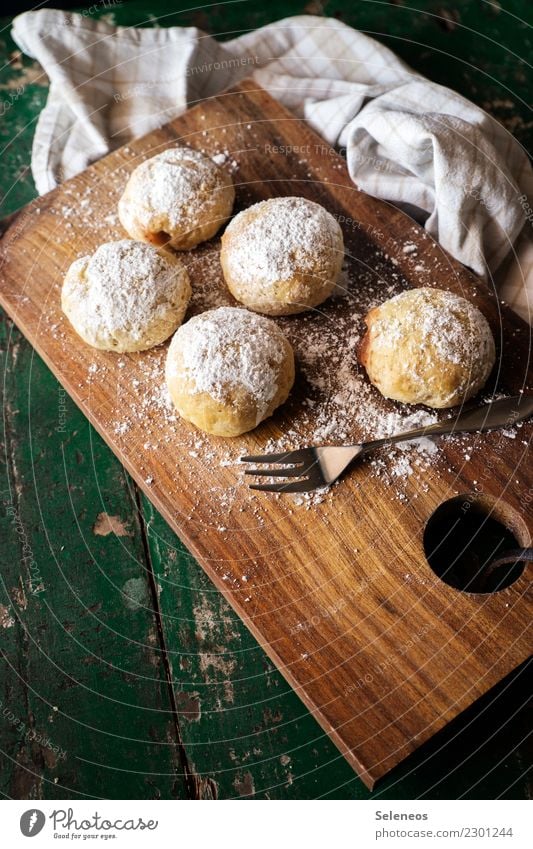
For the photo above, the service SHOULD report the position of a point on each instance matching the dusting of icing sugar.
(124, 285)
(231, 348)
(274, 238)
(340, 406)
(448, 326)
(333, 400)
(172, 181)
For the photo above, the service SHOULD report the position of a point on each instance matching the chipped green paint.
(238, 716)
(125, 673)
(79, 668)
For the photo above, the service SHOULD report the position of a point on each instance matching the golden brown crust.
(282, 256)
(229, 369)
(178, 198)
(127, 296)
(427, 346)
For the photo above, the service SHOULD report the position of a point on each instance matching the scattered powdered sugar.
(231, 348)
(273, 238)
(396, 421)
(332, 401)
(406, 458)
(337, 404)
(311, 499)
(224, 158)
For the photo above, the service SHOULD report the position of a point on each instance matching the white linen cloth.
(408, 140)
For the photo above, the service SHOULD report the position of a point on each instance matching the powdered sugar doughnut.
(282, 256)
(427, 346)
(127, 296)
(178, 198)
(228, 369)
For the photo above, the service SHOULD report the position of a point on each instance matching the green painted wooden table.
(124, 672)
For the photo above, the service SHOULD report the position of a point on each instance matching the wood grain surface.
(336, 589)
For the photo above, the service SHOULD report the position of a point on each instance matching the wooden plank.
(244, 729)
(246, 732)
(308, 564)
(85, 708)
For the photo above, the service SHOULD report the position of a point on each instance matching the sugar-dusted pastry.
(282, 256)
(228, 369)
(427, 346)
(177, 198)
(126, 296)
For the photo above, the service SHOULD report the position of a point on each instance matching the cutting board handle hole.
(466, 535)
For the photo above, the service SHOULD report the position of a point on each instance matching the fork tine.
(298, 486)
(297, 456)
(284, 472)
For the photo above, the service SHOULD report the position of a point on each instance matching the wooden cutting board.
(336, 586)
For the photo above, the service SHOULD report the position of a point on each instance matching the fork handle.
(503, 413)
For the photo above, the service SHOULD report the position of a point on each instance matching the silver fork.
(323, 465)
